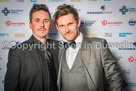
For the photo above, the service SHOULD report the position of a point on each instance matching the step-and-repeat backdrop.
(114, 20)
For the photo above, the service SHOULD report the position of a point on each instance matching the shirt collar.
(35, 40)
(79, 38)
(39, 43)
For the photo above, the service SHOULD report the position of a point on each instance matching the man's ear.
(79, 22)
(30, 25)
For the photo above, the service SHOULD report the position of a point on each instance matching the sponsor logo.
(9, 23)
(118, 58)
(0, 68)
(78, 10)
(0, 58)
(125, 71)
(128, 47)
(87, 23)
(124, 34)
(2, 81)
(3, 34)
(132, 22)
(114, 23)
(51, 34)
(20, 35)
(75, 0)
(124, 10)
(6, 11)
(56, 0)
(33, 0)
(82, 23)
(129, 84)
(107, 0)
(131, 59)
(91, 34)
(103, 8)
(134, 44)
(4, 0)
(125, 45)
(107, 34)
(19, 0)
(92, 0)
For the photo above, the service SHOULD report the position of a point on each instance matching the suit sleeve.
(12, 74)
(111, 69)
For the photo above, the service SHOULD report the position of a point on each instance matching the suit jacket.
(101, 70)
(24, 68)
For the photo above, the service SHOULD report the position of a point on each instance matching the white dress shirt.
(71, 53)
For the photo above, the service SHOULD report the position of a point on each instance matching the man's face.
(40, 24)
(68, 27)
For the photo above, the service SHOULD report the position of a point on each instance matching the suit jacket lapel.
(86, 52)
(60, 58)
(36, 57)
(34, 53)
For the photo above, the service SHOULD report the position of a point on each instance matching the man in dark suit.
(87, 63)
(32, 65)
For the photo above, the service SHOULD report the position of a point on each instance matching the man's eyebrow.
(61, 25)
(71, 22)
(46, 19)
(39, 19)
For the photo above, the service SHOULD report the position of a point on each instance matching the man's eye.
(70, 24)
(46, 21)
(62, 26)
(37, 20)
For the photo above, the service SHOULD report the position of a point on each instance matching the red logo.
(105, 22)
(8, 23)
(131, 59)
(0, 58)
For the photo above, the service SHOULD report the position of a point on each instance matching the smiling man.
(33, 68)
(82, 68)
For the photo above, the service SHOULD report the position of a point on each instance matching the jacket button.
(70, 73)
(71, 89)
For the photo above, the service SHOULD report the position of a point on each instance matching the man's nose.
(42, 24)
(67, 29)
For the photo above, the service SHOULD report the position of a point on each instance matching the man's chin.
(69, 40)
(43, 36)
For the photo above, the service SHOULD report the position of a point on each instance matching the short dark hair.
(64, 10)
(38, 7)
